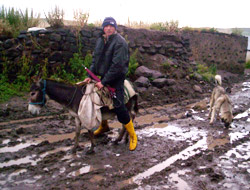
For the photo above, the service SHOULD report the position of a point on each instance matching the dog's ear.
(228, 90)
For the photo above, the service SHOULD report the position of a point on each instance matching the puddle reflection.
(33, 158)
(183, 155)
(83, 170)
(178, 182)
(25, 160)
(17, 147)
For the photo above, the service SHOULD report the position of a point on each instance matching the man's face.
(109, 30)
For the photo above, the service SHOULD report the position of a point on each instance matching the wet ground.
(177, 149)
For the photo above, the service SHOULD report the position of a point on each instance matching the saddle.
(107, 100)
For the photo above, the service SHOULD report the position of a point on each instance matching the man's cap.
(109, 21)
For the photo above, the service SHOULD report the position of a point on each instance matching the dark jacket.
(110, 60)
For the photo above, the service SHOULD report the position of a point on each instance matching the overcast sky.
(191, 13)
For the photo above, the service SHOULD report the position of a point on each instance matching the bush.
(171, 26)
(55, 18)
(133, 64)
(237, 31)
(13, 21)
(81, 18)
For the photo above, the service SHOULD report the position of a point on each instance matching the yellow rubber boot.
(132, 135)
(102, 128)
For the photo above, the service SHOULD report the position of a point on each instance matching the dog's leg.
(212, 117)
(211, 104)
(78, 130)
(216, 109)
(92, 140)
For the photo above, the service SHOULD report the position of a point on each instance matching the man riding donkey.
(110, 61)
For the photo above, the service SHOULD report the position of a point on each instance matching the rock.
(146, 72)
(200, 105)
(56, 56)
(55, 37)
(142, 82)
(156, 74)
(197, 76)
(197, 88)
(160, 82)
(141, 89)
(8, 43)
(86, 33)
(171, 82)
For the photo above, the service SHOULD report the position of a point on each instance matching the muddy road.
(177, 149)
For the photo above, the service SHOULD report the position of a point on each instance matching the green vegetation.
(8, 90)
(73, 71)
(206, 72)
(237, 31)
(189, 29)
(213, 30)
(13, 21)
(171, 26)
(10, 86)
(166, 66)
(247, 65)
(133, 64)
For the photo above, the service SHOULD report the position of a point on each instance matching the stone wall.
(155, 48)
(166, 61)
(227, 52)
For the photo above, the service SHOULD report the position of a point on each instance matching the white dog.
(220, 103)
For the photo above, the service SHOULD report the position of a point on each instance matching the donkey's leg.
(121, 134)
(78, 130)
(123, 131)
(92, 140)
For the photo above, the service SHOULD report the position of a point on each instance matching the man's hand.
(99, 85)
(87, 80)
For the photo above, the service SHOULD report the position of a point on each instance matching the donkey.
(70, 96)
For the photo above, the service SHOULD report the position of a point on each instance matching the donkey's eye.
(32, 93)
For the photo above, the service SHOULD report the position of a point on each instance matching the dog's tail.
(218, 80)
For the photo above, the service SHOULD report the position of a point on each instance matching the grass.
(247, 65)
(206, 72)
(8, 90)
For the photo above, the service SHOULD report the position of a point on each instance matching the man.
(110, 61)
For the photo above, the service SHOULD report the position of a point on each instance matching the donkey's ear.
(35, 78)
(40, 82)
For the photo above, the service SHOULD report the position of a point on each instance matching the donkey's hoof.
(90, 152)
(115, 142)
(76, 148)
